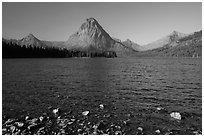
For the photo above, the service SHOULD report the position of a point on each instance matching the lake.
(131, 89)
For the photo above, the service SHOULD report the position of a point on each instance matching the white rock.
(56, 111)
(69, 123)
(176, 115)
(140, 128)
(95, 127)
(4, 130)
(157, 131)
(159, 108)
(12, 128)
(59, 117)
(41, 118)
(197, 133)
(118, 133)
(19, 124)
(31, 121)
(85, 113)
(101, 106)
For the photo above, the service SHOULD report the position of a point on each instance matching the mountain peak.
(30, 39)
(30, 35)
(128, 40)
(90, 34)
(90, 19)
(175, 32)
(176, 35)
(90, 24)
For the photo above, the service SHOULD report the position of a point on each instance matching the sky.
(139, 22)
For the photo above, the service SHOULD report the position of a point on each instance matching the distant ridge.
(31, 40)
(187, 46)
(133, 45)
(173, 37)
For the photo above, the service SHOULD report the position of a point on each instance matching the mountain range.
(92, 38)
(187, 46)
(171, 38)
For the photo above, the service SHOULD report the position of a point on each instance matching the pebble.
(50, 107)
(85, 113)
(41, 118)
(19, 124)
(4, 130)
(126, 122)
(56, 111)
(157, 131)
(197, 133)
(176, 115)
(118, 133)
(12, 128)
(42, 128)
(34, 120)
(159, 108)
(140, 128)
(27, 117)
(107, 115)
(168, 133)
(101, 106)
(95, 127)
(62, 131)
(69, 123)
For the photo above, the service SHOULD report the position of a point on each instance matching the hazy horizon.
(139, 22)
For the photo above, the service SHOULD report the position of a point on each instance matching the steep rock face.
(90, 36)
(170, 39)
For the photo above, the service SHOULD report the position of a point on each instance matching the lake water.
(136, 86)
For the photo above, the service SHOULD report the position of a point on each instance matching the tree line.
(13, 50)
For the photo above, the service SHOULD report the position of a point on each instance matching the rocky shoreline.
(86, 123)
